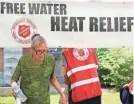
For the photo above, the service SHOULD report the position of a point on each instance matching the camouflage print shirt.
(35, 78)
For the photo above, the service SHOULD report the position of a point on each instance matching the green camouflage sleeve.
(53, 72)
(17, 71)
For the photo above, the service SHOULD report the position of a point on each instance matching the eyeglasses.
(39, 52)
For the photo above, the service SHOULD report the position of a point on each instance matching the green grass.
(111, 98)
(7, 100)
(108, 98)
(10, 100)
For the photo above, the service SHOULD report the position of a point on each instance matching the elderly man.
(37, 71)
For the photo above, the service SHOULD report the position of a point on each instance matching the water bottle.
(18, 100)
(18, 92)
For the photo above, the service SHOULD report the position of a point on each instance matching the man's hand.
(57, 86)
(63, 99)
(14, 94)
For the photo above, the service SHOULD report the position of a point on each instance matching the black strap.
(35, 36)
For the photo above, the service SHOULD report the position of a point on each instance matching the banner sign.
(67, 24)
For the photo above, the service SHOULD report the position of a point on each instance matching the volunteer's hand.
(63, 99)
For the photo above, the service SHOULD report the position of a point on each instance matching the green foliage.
(115, 66)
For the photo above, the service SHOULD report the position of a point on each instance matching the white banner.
(67, 24)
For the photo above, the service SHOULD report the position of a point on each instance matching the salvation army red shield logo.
(81, 54)
(22, 30)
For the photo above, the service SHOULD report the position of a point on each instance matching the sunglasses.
(39, 52)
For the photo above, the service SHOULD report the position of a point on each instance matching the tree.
(115, 66)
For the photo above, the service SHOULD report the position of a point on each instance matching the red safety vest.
(81, 69)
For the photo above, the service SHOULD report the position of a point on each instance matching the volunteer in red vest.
(82, 75)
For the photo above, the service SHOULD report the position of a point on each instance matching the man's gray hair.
(36, 39)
